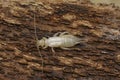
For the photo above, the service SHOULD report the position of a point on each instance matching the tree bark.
(96, 59)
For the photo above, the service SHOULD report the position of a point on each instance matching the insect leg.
(64, 33)
(45, 46)
(52, 49)
(65, 48)
(57, 34)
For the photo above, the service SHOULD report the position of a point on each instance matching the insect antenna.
(36, 38)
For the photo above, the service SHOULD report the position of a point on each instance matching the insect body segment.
(64, 41)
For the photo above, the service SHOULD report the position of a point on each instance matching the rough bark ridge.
(97, 59)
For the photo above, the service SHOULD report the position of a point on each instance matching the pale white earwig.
(64, 41)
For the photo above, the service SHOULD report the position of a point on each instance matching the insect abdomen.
(68, 42)
(54, 42)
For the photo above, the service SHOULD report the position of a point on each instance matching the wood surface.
(96, 59)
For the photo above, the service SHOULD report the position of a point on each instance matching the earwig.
(64, 41)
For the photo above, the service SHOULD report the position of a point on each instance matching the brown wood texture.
(96, 59)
